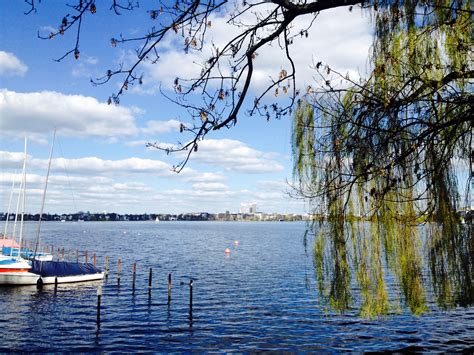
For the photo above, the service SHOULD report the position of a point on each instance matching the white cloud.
(338, 37)
(199, 194)
(72, 115)
(343, 44)
(11, 159)
(210, 186)
(229, 154)
(120, 188)
(89, 165)
(234, 155)
(157, 127)
(96, 165)
(36, 114)
(133, 185)
(10, 65)
(56, 180)
(194, 176)
(138, 143)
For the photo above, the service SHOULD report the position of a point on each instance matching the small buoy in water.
(236, 242)
(227, 250)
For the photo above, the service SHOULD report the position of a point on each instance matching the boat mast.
(18, 201)
(23, 192)
(44, 196)
(9, 206)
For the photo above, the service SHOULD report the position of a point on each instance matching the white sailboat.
(8, 246)
(14, 270)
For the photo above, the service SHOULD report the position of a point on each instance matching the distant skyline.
(100, 160)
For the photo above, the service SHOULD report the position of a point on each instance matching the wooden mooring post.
(86, 256)
(106, 266)
(134, 276)
(99, 296)
(169, 288)
(190, 299)
(150, 276)
(118, 272)
(95, 259)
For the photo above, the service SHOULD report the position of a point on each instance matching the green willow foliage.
(385, 149)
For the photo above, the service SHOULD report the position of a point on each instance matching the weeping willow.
(378, 156)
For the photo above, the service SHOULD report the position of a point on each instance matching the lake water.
(263, 296)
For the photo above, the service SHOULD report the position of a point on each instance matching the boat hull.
(18, 278)
(49, 280)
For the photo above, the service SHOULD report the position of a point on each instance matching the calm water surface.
(263, 296)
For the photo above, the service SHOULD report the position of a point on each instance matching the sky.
(100, 161)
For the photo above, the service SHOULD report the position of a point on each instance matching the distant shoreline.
(201, 216)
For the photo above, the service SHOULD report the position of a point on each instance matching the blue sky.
(100, 160)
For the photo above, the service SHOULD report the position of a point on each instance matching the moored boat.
(65, 272)
(15, 271)
(50, 271)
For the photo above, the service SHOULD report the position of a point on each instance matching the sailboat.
(50, 271)
(14, 270)
(8, 246)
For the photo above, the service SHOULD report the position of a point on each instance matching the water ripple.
(263, 297)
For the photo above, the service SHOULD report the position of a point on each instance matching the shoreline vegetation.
(158, 217)
(464, 215)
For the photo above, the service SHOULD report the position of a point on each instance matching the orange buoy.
(227, 250)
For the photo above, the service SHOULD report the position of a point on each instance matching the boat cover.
(62, 268)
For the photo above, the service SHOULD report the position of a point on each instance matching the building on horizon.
(253, 208)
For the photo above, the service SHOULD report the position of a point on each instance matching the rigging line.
(18, 201)
(44, 196)
(23, 192)
(67, 176)
(9, 206)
